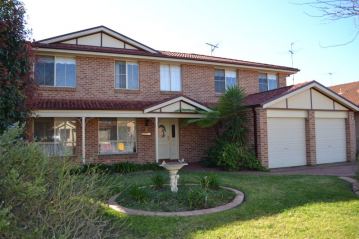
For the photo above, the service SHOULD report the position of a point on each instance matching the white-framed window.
(55, 71)
(126, 75)
(267, 82)
(224, 79)
(117, 136)
(170, 77)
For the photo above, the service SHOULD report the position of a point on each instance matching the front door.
(168, 143)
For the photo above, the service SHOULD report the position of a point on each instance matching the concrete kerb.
(238, 199)
(354, 182)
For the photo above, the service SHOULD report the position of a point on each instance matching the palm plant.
(230, 122)
(228, 117)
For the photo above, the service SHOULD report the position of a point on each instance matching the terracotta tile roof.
(348, 90)
(87, 104)
(198, 57)
(266, 96)
(162, 54)
(90, 104)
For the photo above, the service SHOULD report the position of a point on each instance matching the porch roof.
(87, 104)
(91, 104)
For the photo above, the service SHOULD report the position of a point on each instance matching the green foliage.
(158, 181)
(137, 193)
(230, 150)
(122, 168)
(233, 156)
(197, 198)
(209, 182)
(41, 198)
(15, 64)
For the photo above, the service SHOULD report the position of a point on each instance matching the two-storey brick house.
(104, 97)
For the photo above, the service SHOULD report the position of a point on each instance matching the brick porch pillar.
(262, 138)
(350, 136)
(310, 139)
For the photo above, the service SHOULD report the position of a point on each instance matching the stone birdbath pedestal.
(173, 168)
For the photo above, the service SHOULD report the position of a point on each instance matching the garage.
(286, 142)
(330, 140)
(303, 124)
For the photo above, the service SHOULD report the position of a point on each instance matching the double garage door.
(287, 141)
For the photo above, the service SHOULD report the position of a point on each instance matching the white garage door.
(330, 140)
(286, 142)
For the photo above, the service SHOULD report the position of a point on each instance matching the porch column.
(156, 138)
(83, 123)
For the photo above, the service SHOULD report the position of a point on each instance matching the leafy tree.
(15, 64)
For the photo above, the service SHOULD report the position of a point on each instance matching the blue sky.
(248, 30)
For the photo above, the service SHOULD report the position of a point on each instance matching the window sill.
(55, 88)
(219, 94)
(117, 154)
(171, 92)
(127, 91)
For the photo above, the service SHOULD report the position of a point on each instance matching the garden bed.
(188, 197)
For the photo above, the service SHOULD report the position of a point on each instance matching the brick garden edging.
(238, 199)
(354, 182)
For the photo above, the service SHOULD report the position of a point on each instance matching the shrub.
(197, 198)
(209, 182)
(214, 153)
(41, 198)
(234, 157)
(229, 157)
(204, 182)
(123, 168)
(213, 181)
(158, 181)
(137, 193)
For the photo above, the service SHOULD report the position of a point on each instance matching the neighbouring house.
(351, 92)
(104, 97)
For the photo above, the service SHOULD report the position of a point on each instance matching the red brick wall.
(145, 144)
(310, 138)
(350, 136)
(262, 138)
(194, 142)
(95, 79)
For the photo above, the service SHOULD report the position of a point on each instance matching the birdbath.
(173, 168)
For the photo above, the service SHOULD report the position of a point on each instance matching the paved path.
(339, 169)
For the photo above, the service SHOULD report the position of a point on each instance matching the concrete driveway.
(347, 169)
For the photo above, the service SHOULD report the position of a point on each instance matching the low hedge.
(122, 168)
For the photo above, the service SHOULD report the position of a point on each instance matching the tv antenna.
(213, 47)
(291, 52)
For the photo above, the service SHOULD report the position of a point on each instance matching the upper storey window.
(170, 78)
(126, 75)
(268, 82)
(55, 71)
(224, 79)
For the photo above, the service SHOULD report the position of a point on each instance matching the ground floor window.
(56, 136)
(117, 136)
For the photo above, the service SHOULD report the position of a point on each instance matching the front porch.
(124, 136)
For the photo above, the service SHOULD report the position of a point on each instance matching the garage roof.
(267, 98)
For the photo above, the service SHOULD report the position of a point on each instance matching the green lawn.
(274, 207)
